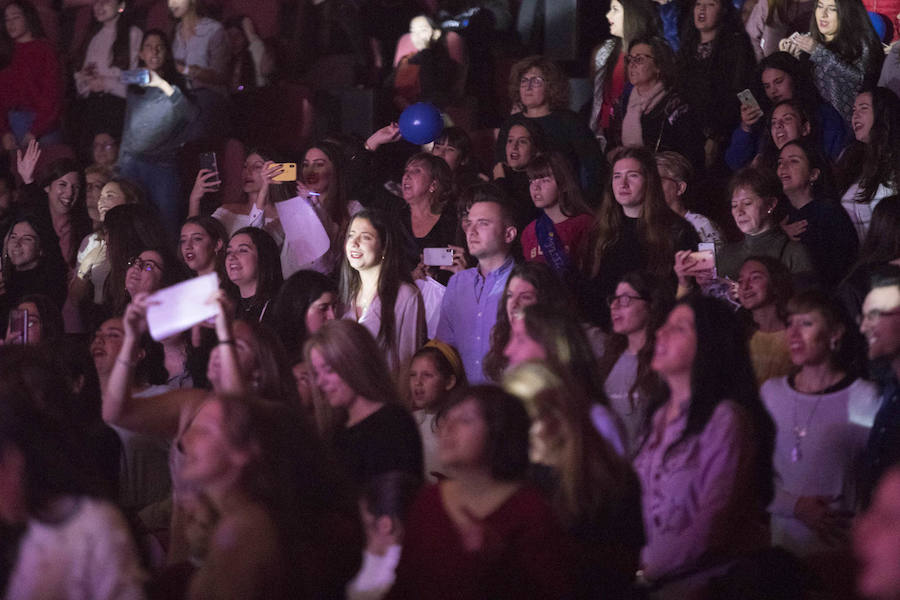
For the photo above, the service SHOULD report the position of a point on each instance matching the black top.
(386, 440)
(568, 134)
(518, 189)
(830, 239)
(625, 255)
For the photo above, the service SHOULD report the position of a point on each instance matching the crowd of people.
(554, 366)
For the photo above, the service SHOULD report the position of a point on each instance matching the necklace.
(800, 431)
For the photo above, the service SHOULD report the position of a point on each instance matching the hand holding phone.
(208, 162)
(288, 172)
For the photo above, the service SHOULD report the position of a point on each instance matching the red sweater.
(573, 232)
(32, 82)
(526, 553)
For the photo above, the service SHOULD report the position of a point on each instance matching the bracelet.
(128, 363)
(226, 342)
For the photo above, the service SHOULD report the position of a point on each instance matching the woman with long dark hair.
(814, 216)
(844, 49)
(715, 63)
(870, 168)
(305, 302)
(253, 266)
(376, 289)
(706, 466)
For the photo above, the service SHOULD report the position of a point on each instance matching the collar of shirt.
(481, 280)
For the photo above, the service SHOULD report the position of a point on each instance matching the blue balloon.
(421, 123)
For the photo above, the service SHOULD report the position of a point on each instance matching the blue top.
(468, 313)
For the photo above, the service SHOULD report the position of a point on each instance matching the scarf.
(638, 105)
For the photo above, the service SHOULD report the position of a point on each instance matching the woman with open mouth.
(376, 290)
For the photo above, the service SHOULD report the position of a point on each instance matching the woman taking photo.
(628, 20)
(111, 46)
(755, 194)
(157, 119)
(764, 288)
(483, 532)
(376, 290)
(814, 216)
(369, 431)
(870, 168)
(31, 91)
(559, 236)
(255, 207)
(635, 229)
(819, 413)
(253, 266)
(429, 217)
(706, 466)
(539, 93)
(844, 49)
(593, 490)
(650, 112)
(638, 307)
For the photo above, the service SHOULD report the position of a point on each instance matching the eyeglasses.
(875, 314)
(536, 81)
(624, 300)
(144, 265)
(638, 59)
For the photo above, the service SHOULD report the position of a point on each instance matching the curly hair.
(555, 82)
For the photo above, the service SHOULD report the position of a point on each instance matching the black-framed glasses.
(638, 59)
(537, 81)
(623, 300)
(142, 264)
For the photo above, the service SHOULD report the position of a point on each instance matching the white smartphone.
(747, 98)
(438, 257)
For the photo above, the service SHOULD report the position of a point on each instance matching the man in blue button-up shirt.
(469, 307)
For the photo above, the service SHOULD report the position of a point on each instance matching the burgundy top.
(32, 81)
(526, 553)
(573, 232)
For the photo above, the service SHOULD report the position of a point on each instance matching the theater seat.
(264, 13)
(279, 117)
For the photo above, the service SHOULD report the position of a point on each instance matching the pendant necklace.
(800, 431)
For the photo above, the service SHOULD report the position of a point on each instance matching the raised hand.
(26, 162)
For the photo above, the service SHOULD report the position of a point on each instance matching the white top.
(425, 420)
(233, 221)
(836, 429)
(99, 52)
(617, 386)
(376, 576)
(89, 556)
(861, 212)
(207, 48)
(92, 264)
(410, 328)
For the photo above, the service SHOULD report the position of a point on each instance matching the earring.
(769, 212)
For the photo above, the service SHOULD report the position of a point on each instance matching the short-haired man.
(880, 325)
(469, 308)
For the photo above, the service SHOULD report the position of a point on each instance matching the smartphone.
(18, 324)
(208, 161)
(705, 258)
(438, 257)
(135, 77)
(288, 172)
(747, 99)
